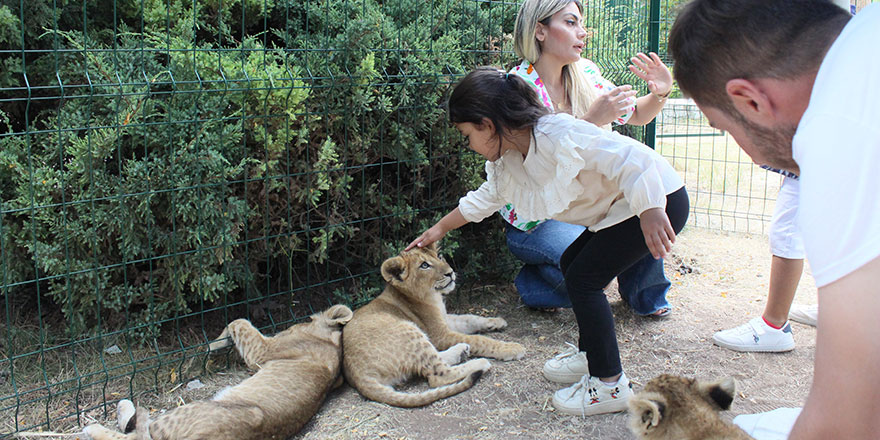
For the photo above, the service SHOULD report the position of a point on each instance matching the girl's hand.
(658, 232)
(652, 70)
(610, 106)
(433, 234)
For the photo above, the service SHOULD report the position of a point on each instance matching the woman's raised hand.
(610, 106)
(653, 71)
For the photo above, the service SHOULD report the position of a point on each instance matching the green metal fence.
(167, 166)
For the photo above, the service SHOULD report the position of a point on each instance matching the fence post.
(653, 46)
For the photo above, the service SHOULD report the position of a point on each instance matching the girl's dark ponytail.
(489, 93)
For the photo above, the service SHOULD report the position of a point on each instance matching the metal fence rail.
(167, 166)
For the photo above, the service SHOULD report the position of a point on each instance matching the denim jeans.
(540, 282)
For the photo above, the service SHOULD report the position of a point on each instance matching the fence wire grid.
(167, 166)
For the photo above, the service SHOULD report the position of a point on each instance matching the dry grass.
(719, 280)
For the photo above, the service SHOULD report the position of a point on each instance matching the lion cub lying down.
(405, 332)
(296, 369)
(676, 408)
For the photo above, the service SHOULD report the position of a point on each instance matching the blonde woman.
(549, 37)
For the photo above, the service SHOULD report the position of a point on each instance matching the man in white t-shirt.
(797, 84)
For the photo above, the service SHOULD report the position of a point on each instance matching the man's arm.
(844, 401)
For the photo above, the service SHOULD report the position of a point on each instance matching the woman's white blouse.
(577, 173)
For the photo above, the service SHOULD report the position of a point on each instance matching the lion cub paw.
(495, 324)
(481, 364)
(456, 354)
(511, 351)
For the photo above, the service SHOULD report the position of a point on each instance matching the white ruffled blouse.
(577, 173)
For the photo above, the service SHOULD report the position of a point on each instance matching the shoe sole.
(619, 405)
(765, 349)
(568, 378)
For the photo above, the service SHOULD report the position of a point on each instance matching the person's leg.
(533, 282)
(589, 264)
(771, 332)
(592, 261)
(785, 274)
(540, 282)
(787, 248)
(644, 285)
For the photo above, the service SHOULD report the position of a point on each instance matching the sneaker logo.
(594, 396)
(614, 393)
(756, 338)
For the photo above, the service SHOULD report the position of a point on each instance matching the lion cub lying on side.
(405, 332)
(676, 408)
(296, 369)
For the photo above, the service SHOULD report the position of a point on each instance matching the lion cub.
(405, 332)
(297, 368)
(677, 408)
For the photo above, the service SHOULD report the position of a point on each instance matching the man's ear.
(750, 100)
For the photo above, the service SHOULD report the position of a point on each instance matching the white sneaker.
(756, 335)
(567, 367)
(804, 314)
(590, 396)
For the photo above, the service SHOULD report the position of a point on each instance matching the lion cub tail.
(379, 392)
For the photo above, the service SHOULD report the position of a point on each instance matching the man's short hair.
(714, 41)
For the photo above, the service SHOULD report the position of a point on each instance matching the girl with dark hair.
(552, 165)
(549, 38)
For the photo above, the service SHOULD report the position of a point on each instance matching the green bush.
(187, 155)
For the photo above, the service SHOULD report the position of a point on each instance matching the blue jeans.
(540, 282)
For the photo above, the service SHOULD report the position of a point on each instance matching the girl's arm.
(658, 232)
(453, 220)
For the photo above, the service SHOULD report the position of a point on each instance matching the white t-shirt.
(837, 147)
(577, 173)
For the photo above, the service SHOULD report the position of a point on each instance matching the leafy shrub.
(160, 157)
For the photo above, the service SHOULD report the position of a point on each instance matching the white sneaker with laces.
(804, 314)
(590, 396)
(756, 335)
(567, 367)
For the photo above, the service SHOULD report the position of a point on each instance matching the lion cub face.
(672, 407)
(420, 267)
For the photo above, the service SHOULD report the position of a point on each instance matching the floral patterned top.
(527, 71)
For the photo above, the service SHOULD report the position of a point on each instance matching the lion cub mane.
(405, 332)
(678, 408)
(297, 368)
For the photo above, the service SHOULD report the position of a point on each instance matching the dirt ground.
(719, 280)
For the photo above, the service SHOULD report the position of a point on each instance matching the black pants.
(590, 263)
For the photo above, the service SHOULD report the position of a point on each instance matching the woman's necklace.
(560, 100)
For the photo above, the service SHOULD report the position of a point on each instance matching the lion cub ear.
(338, 315)
(394, 269)
(720, 393)
(646, 410)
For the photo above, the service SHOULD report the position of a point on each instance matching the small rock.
(194, 385)
(113, 350)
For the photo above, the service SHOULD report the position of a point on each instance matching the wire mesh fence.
(167, 166)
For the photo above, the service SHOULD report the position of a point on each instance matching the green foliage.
(163, 156)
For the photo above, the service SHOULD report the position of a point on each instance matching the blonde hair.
(577, 85)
